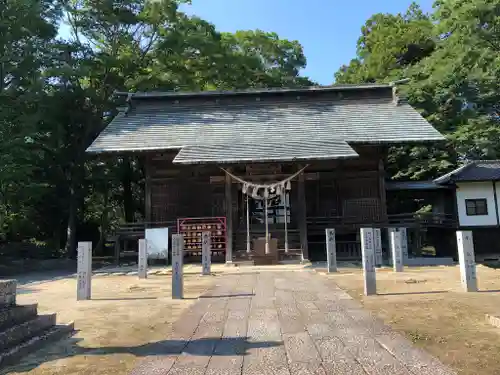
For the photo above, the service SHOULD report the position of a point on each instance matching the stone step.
(15, 315)
(24, 331)
(57, 332)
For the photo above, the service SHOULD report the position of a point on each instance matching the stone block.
(26, 330)
(55, 333)
(8, 292)
(12, 315)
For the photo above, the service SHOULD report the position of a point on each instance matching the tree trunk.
(104, 223)
(71, 230)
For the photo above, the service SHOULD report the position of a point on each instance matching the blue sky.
(327, 30)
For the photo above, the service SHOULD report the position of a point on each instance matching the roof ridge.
(166, 94)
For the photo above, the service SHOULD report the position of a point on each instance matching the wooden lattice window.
(362, 210)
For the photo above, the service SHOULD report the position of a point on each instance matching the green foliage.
(55, 98)
(452, 59)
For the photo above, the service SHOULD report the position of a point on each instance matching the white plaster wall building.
(477, 193)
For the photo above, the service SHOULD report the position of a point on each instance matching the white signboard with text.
(157, 243)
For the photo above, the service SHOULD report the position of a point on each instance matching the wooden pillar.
(147, 191)
(302, 220)
(229, 220)
(382, 191)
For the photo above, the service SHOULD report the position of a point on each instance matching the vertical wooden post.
(206, 253)
(229, 220)
(285, 215)
(467, 261)
(177, 266)
(142, 264)
(368, 254)
(382, 191)
(302, 213)
(84, 271)
(248, 224)
(331, 251)
(147, 191)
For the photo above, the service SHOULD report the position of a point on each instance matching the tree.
(452, 60)
(389, 44)
(26, 31)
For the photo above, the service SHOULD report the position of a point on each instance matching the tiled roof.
(268, 152)
(481, 170)
(413, 185)
(159, 123)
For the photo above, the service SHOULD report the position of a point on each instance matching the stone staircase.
(22, 330)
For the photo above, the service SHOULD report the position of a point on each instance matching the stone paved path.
(290, 323)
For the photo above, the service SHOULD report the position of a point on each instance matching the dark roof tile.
(156, 125)
(480, 170)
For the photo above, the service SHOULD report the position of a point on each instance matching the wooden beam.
(302, 218)
(229, 220)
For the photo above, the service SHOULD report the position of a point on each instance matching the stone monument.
(84, 271)
(177, 266)
(368, 254)
(397, 251)
(142, 263)
(331, 251)
(467, 261)
(378, 246)
(206, 253)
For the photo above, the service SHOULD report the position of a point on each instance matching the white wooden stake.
(206, 253)
(467, 260)
(177, 266)
(368, 253)
(378, 247)
(142, 263)
(84, 271)
(397, 251)
(331, 251)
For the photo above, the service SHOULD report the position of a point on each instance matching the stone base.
(7, 293)
(265, 260)
(22, 330)
(55, 333)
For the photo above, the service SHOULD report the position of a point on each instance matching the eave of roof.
(413, 185)
(473, 171)
(265, 152)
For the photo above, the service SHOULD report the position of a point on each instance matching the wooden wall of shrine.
(350, 192)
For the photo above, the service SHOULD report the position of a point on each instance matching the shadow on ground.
(410, 293)
(201, 347)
